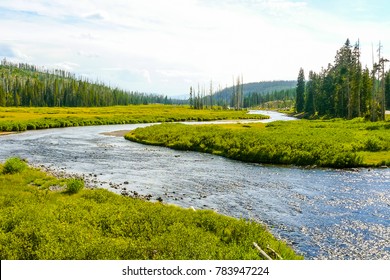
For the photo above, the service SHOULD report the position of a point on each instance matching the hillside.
(258, 89)
(28, 85)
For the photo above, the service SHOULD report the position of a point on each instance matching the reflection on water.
(323, 213)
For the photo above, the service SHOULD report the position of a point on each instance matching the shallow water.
(322, 213)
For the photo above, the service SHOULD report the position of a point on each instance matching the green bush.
(74, 186)
(14, 165)
(373, 145)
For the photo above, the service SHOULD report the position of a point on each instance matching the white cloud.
(139, 44)
(66, 65)
(88, 54)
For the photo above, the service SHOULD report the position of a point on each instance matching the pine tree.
(311, 88)
(191, 99)
(211, 95)
(300, 92)
(365, 93)
(387, 90)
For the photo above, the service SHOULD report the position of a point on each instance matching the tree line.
(345, 89)
(241, 95)
(275, 99)
(28, 85)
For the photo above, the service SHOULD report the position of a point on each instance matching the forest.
(27, 85)
(345, 89)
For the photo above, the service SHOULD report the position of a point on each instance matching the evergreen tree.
(365, 93)
(387, 90)
(300, 92)
(191, 99)
(211, 94)
(311, 87)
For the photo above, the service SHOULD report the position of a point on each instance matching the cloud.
(137, 44)
(96, 16)
(7, 51)
(66, 65)
(178, 73)
(146, 75)
(88, 54)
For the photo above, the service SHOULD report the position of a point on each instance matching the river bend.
(322, 213)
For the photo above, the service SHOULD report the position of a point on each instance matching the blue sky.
(167, 46)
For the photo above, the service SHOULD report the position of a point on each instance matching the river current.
(322, 213)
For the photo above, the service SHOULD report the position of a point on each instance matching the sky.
(165, 47)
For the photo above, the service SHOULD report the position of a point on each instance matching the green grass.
(26, 118)
(14, 165)
(74, 186)
(333, 143)
(36, 223)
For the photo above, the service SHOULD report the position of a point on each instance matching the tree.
(387, 90)
(211, 94)
(311, 89)
(356, 82)
(191, 100)
(365, 93)
(300, 92)
(343, 63)
(345, 89)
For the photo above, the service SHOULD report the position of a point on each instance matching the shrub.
(74, 186)
(373, 145)
(14, 165)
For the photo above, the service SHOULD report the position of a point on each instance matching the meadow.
(44, 217)
(30, 118)
(324, 143)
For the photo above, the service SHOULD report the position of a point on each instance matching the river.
(322, 213)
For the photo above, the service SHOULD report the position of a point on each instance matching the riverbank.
(6, 132)
(332, 143)
(37, 223)
(31, 118)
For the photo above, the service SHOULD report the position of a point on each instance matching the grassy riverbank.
(28, 118)
(38, 223)
(333, 143)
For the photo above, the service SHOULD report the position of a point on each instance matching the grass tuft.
(74, 185)
(14, 165)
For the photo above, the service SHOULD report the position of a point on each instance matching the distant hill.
(258, 89)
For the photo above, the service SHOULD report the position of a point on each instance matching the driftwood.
(276, 254)
(264, 254)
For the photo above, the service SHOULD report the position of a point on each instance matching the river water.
(322, 213)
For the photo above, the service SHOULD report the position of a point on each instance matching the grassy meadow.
(323, 143)
(29, 118)
(43, 217)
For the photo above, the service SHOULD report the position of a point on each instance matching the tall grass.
(36, 223)
(23, 118)
(334, 143)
